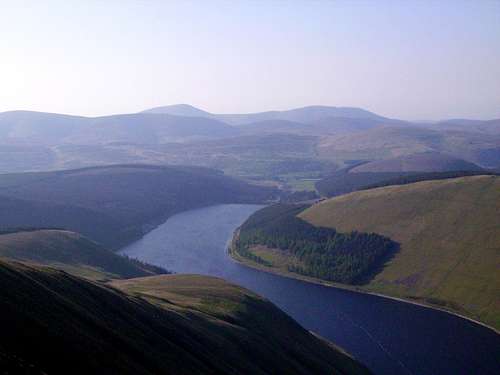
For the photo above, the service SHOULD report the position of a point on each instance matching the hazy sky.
(411, 60)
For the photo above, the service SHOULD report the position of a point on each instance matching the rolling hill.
(180, 110)
(303, 115)
(116, 204)
(420, 162)
(55, 323)
(395, 140)
(449, 236)
(72, 253)
(39, 128)
(394, 171)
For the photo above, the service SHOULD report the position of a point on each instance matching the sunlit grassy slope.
(56, 323)
(449, 232)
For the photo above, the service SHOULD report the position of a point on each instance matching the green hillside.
(55, 323)
(72, 253)
(449, 235)
(115, 205)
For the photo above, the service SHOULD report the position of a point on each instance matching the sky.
(414, 60)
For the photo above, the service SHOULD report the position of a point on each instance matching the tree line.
(321, 252)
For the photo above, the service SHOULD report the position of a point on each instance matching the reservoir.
(388, 336)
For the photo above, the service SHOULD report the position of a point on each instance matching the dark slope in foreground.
(114, 205)
(72, 253)
(62, 324)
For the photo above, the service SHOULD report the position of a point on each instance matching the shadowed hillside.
(393, 171)
(54, 323)
(117, 204)
(449, 236)
(421, 162)
(72, 253)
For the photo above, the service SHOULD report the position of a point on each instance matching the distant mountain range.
(304, 114)
(40, 128)
(273, 146)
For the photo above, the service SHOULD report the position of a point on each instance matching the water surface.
(390, 337)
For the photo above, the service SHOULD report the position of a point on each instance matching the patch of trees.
(321, 252)
(115, 205)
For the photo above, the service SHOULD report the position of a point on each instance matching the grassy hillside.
(116, 204)
(60, 324)
(72, 253)
(449, 236)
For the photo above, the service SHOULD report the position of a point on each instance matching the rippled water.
(390, 337)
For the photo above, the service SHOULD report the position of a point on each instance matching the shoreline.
(233, 254)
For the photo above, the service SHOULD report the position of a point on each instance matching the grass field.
(449, 231)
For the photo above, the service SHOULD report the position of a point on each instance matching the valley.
(380, 332)
(351, 201)
(249, 187)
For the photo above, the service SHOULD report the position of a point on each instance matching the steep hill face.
(57, 323)
(420, 162)
(117, 204)
(449, 236)
(72, 253)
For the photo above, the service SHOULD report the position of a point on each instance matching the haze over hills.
(305, 114)
(185, 135)
(180, 110)
(40, 128)
(483, 126)
(53, 323)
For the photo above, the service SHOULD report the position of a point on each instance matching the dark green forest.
(323, 253)
(116, 205)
